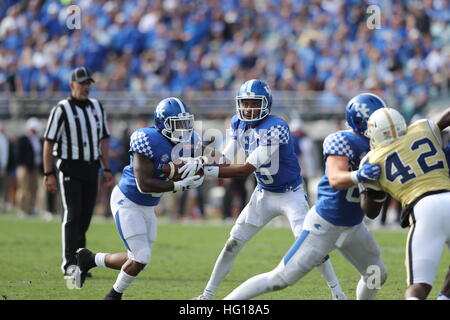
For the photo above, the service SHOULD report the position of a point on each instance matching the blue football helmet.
(174, 120)
(359, 109)
(254, 90)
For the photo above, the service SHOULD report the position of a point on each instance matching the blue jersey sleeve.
(234, 127)
(140, 143)
(337, 144)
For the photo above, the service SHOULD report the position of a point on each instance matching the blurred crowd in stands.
(177, 47)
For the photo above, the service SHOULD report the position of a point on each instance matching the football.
(171, 170)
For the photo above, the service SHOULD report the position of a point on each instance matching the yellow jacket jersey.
(413, 164)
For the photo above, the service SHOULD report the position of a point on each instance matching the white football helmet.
(384, 126)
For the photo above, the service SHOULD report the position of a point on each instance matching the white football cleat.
(71, 275)
(201, 297)
(339, 296)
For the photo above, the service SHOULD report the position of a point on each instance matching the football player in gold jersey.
(414, 171)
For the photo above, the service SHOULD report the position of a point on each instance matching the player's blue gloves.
(367, 172)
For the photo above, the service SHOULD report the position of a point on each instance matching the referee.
(76, 135)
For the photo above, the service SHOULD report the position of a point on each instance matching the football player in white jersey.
(335, 222)
(415, 172)
(139, 190)
(266, 140)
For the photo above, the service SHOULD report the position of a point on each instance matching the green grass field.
(182, 260)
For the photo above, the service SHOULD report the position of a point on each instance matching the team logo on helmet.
(362, 110)
(359, 109)
(174, 120)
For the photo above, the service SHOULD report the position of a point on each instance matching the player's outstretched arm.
(341, 178)
(338, 173)
(236, 171)
(258, 157)
(210, 157)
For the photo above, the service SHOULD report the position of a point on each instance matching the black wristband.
(51, 173)
(107, 170)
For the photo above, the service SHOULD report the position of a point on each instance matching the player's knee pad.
(324, 259)
(233, 246)
(148, 256)
(293, 268)
(275, 281)
(142, 255)
(309, 258)
(140, 248)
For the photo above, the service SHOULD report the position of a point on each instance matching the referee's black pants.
(78, 182)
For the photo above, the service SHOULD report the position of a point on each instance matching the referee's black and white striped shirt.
(76, 127)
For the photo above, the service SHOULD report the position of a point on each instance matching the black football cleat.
(113, 295)
(85, 262)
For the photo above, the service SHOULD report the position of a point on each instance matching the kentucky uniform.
(335, 222)
(414, 171)
(267, 143)
(279, 188)
(133, 210)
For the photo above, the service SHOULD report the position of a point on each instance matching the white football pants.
(427, 237)
(319, 238)
(264, 206)
(136, 225)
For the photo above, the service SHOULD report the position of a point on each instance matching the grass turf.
(182, 259)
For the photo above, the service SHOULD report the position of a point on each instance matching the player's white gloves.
(192, 166)
(367, 172)
(188, 183)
